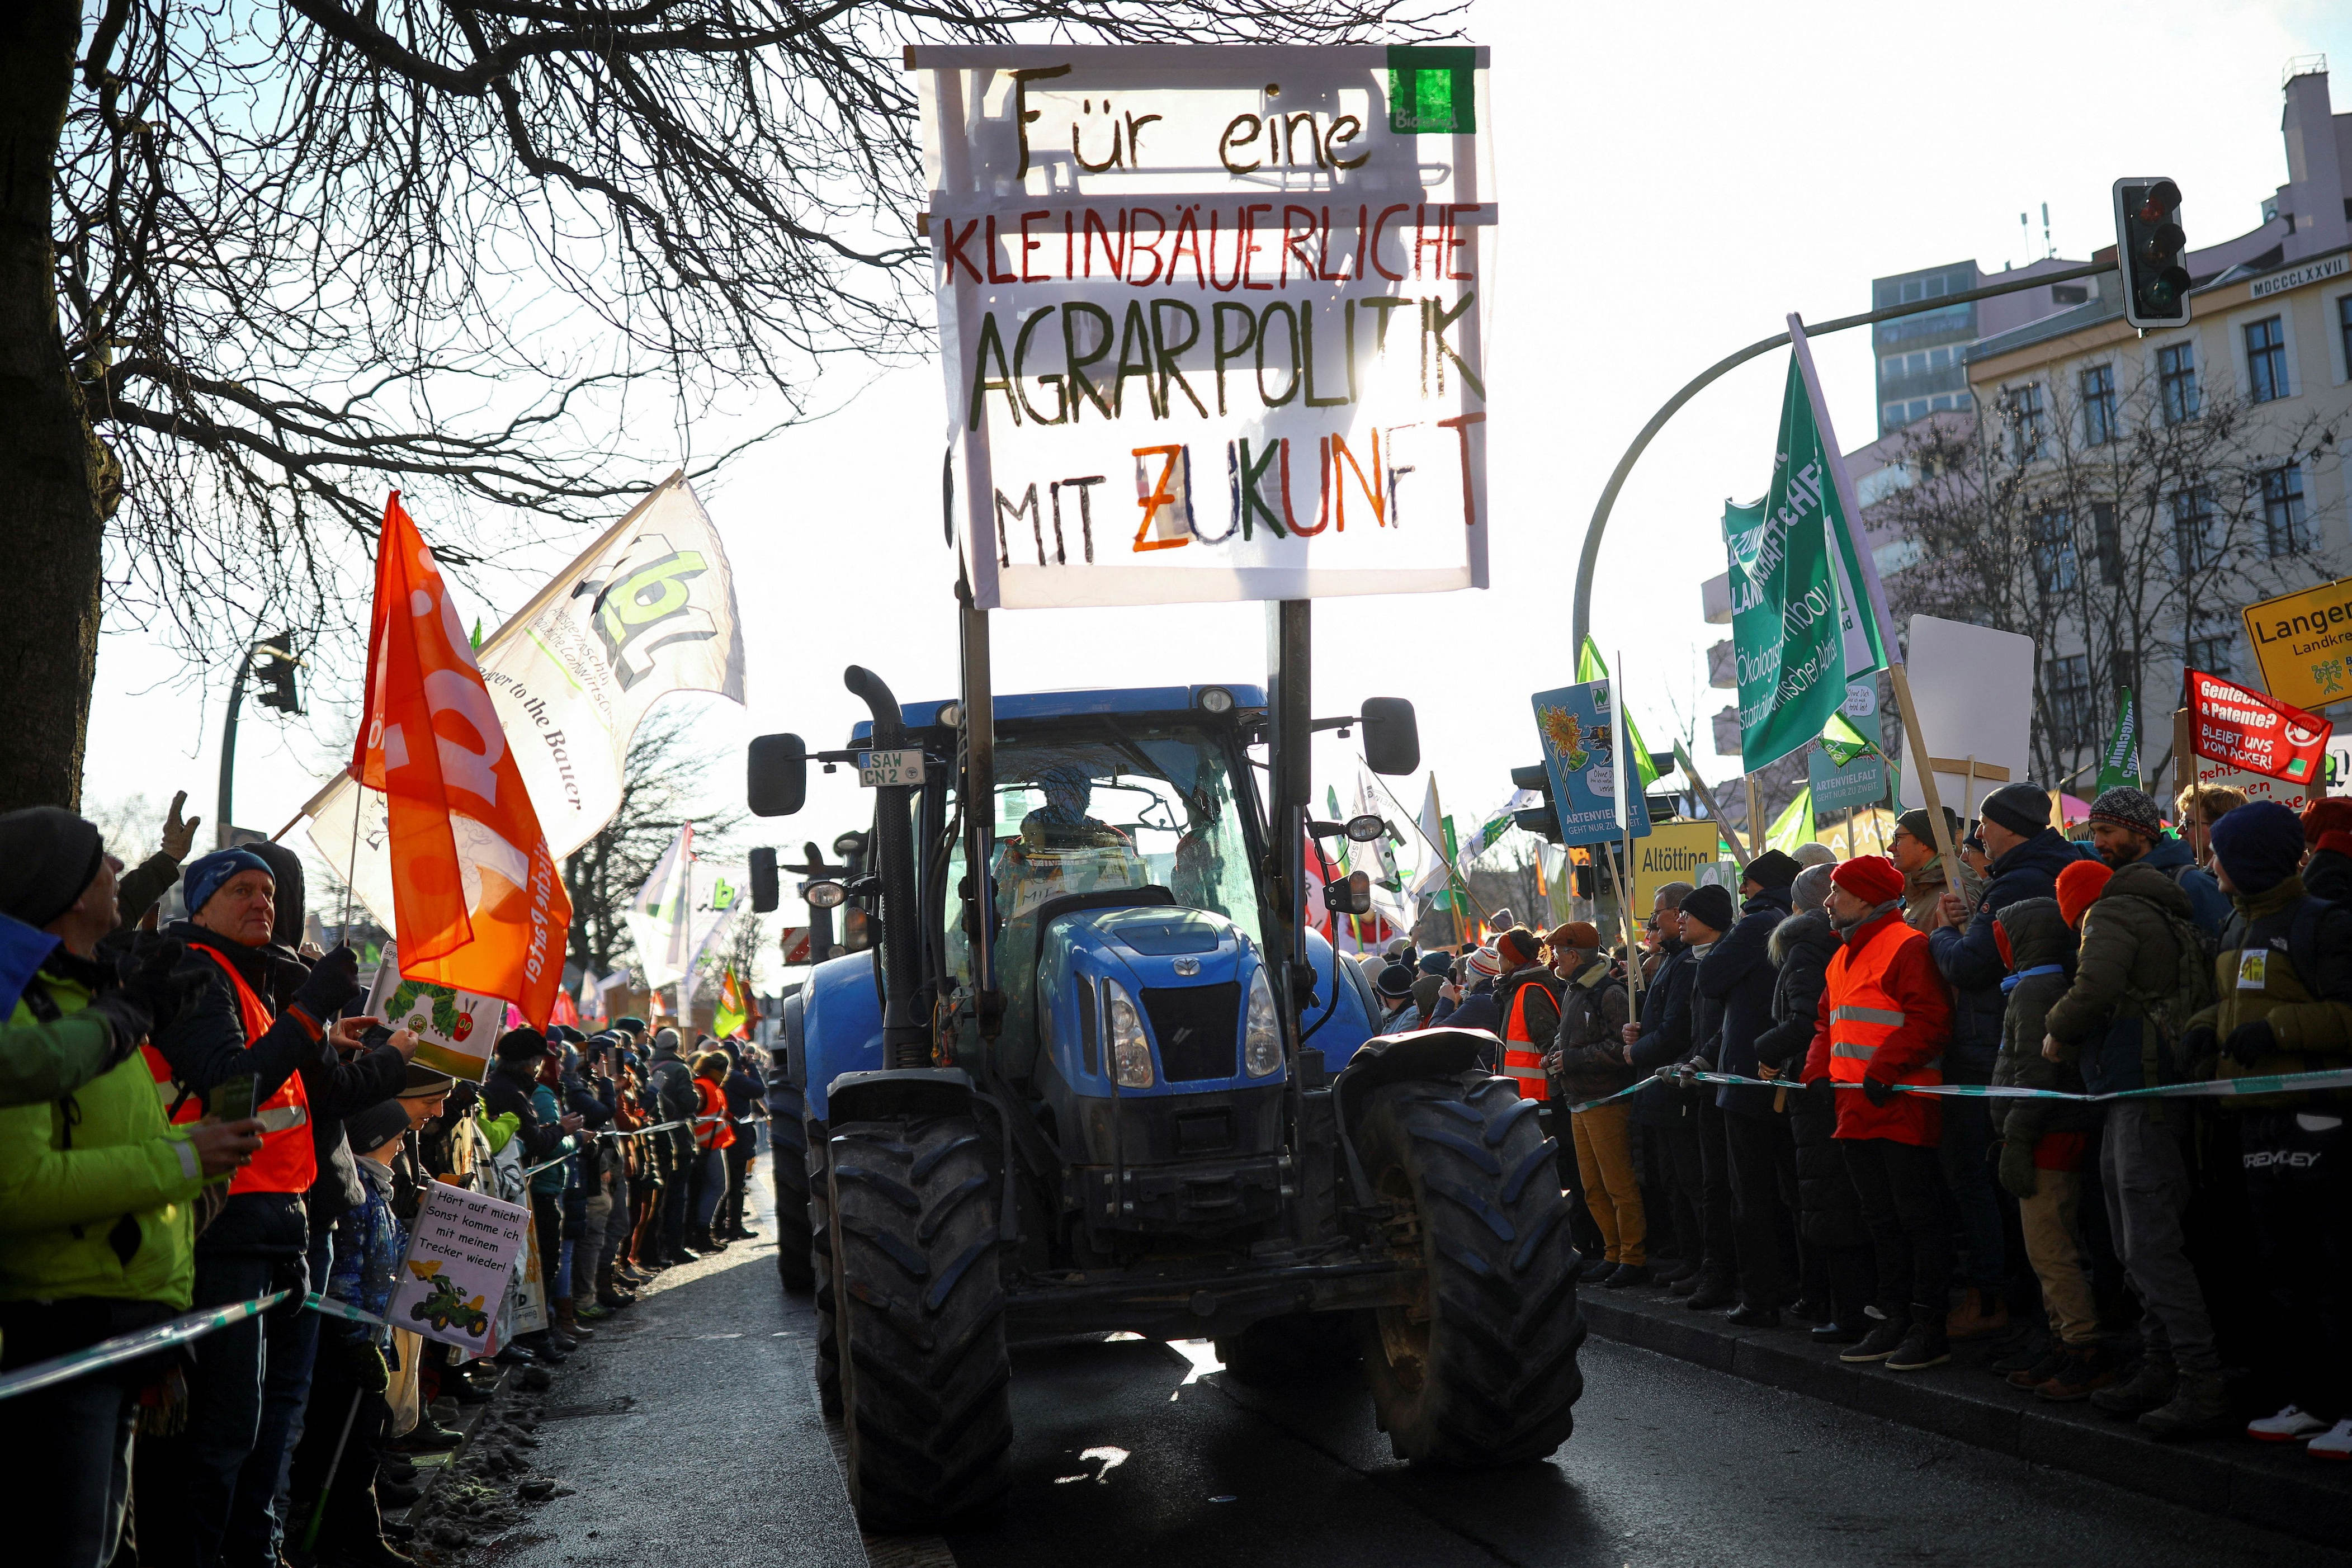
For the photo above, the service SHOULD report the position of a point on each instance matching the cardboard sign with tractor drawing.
(454, 1030)
(462, 1251)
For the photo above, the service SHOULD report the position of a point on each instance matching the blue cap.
(206, 874)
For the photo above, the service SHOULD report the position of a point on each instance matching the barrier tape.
(2208, 1089)
(130, 1346)
(617, 1134)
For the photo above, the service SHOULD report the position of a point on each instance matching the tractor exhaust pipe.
(906, 1038)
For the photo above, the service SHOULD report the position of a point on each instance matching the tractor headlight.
(1130, 1052)
(1262, 1042)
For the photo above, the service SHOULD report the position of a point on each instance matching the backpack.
(2164, 1058)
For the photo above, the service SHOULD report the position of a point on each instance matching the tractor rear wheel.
(1482, 1368)
(920, 1318)
(820, 1212)
(788, 1157)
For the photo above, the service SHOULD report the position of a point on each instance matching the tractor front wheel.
(828, 1343)
(1480, 1370)
(788, 1157)
(919, 1310)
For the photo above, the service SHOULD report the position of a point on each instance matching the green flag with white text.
(2119, 763)
(1843, 742)
(1786, 602)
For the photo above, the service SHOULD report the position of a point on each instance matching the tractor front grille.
(1198, 1029)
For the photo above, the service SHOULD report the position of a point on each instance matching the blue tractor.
(1099, 1074)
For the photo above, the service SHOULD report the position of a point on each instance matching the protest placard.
(455, 1029)
(1861, 782)
(1973, 688)
(462, 1251)
(1212, 316)
(1573, 723)
(2243, 729)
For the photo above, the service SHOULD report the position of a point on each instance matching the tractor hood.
(1187, 974)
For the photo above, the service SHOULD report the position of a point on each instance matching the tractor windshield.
(1094, 810)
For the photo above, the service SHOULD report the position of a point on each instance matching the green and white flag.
(1843, 742)
(1786, 599)
(1590, 667)
(2119, 763)
(1793, 826)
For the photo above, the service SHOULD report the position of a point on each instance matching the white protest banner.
(1213, 316)
(661, 918)
(646, 610)
(1974, 689)
(462, 1249)
(455, 1029)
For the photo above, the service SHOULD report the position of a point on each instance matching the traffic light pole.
(228, 753)
(1590, 558)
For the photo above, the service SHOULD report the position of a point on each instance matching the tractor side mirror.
(1391, 735)
(1352, 895)
(766, 895)
(827, 895)
(776, 775)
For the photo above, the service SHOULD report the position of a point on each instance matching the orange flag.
(475, 897)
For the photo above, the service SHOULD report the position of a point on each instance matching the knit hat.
(521, 1045)
(1921, 826)
(424, 1083)
(630, 1022)
(1518, 947)
(378, 1125)
(2080, 883)
(1711, 906)
(1772, 870)
(2333, 815)
(2259, 845)
(1814, 852)
(286, 899)
(2020, 807)
(1576, 933)
(48, 855)
(206, 873)
(1424, 992)
(665, 1039)
(2128, 807)
(1438, 964)
(1396, 982)
(1811, 890)
(1873, 879)
(1504, 919)
(1399, 947)
(1483, 960)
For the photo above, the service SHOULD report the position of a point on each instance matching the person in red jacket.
(1885, 1018)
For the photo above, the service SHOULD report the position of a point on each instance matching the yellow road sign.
(2304, 643)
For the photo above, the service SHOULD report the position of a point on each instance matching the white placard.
(462, 1249)
(1974, 689)
(1213, 318)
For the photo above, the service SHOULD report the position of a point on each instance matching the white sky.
(1672, 182)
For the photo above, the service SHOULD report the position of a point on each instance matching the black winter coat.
(1829, 1211)
(1737, 977)
(1970, 960)
(1800, 950)
(1666, 1024)
(508, 1088)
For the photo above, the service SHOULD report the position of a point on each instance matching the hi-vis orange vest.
(287, 1161)
(1862, 1014)
(1522, 1058)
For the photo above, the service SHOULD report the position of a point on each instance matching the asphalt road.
(689, 1435)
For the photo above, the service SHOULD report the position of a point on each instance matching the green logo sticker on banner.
(1430, 91)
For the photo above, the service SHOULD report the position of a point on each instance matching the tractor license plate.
(878, 770)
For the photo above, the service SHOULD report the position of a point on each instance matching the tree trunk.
(52, 467)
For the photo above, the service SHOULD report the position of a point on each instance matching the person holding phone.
(97, 1190)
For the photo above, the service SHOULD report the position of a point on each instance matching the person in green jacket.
(96, 1231)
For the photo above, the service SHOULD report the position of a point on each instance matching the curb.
(2279, 1487)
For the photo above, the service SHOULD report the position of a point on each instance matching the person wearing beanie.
(2289, 1011)
(1395, 990)
(2126, 826)
(1587, 1062)
(1527, 994)
(1834, 1280)
(1706, 914)
(2327, 862)
(2026, 854)
(2197, 808)
(1438, 964)
(2077, 885)
(1737, 979)
(1699, 1244)
(1885, 1019)
(2137, 947)
(1425, 1000)
(98, 1187)
(1912, 847)
(675, 1100)
(1814, 852)
(512, 1088)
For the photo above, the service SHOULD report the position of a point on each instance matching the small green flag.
(1793, 826)
(1843, 742)
(477, 633)
(2119, 763)
(1590, 666)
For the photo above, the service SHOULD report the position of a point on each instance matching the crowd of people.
(2177, 1261)
(195, 1116)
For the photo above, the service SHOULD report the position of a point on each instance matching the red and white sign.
(2248, 731)
(796, 945)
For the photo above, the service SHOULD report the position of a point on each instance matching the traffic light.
(277, 666)
(2150, 248)
(1543, 821)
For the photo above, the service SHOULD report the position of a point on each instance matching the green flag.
(2119, 763)
(1785, 597)
(1590, 667)
(1843, 742)
(1793, 826)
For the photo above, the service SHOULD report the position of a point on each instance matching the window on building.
(2212, 634)
(2055, 565)
(2266, 359)
(2028, 421)
(2283, 527)
(2176, 379)
(1918, 409)
(2344, 328)
(2196, 530)
(2108, 542)
(2068, 683)
(1891, 416)
(2099, 405)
